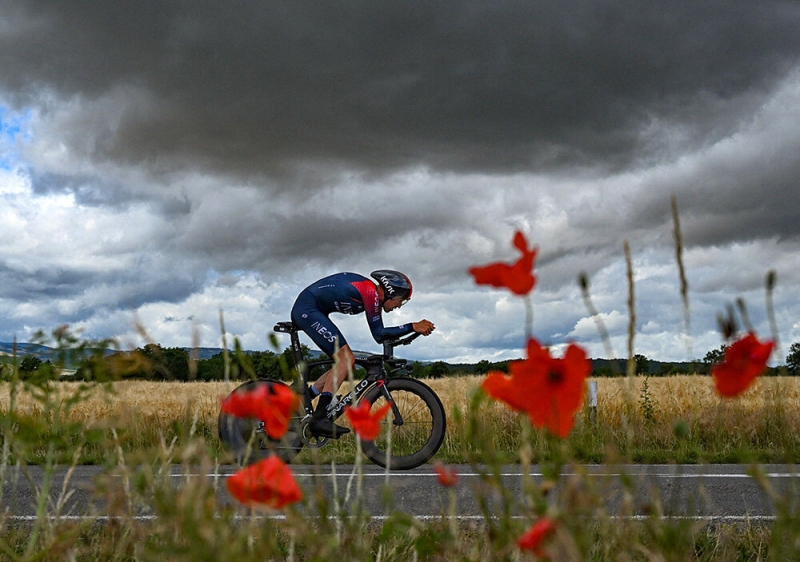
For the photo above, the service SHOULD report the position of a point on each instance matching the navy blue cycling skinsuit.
(346, 293)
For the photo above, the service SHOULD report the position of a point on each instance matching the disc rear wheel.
(247, 439)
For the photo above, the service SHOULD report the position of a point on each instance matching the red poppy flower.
(518, 278)
(447, 475)
(267, 483)
(365, 423)
(549, 390)
(536, 535)
(744, 361)
(273, 403)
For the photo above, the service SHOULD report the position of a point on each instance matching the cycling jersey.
(346, 293)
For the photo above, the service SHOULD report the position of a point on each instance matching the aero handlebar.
(402, 341)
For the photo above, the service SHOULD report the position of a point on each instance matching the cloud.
(280, 89)
(586, 328)
(162, 161)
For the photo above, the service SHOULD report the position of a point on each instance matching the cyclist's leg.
(328, 338)
(344, 362)
(326, 335)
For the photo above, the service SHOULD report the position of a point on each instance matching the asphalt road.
(712, 492)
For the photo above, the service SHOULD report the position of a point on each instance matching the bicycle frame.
(374, 364)
(386, 381)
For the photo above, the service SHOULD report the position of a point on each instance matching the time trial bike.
(411, 433)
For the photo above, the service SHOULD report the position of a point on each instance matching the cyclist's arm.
(382, 332)
(373, 312)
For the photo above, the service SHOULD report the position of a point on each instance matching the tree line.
(154, 362)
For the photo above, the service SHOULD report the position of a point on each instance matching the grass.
(679, 419)
(138, 430)
(389, 541)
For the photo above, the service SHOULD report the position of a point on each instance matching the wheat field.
(687, 397)
(633, 414)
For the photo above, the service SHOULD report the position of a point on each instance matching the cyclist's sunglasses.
(404, 300)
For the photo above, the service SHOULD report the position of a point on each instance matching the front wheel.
(247, 439)
(410, 434)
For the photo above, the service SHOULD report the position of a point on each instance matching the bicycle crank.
(309, 440)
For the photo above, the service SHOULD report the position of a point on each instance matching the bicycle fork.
(397, 417)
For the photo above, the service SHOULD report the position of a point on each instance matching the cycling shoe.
(326, 428)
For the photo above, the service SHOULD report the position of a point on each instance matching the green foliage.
(30, 364)
(438, 369)
(646, 403)
(647, 367)
(604, 371)
(713, 357)
(164, 363)
(642, 364)
(482, 367)
(154, 362)
(793, 359)
(674, 369)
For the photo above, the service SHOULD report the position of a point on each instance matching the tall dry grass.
(676, 418)
(149, 426)
(137, 399)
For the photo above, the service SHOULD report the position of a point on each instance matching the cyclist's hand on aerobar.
(424, 327)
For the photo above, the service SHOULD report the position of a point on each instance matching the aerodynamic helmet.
(394, 283)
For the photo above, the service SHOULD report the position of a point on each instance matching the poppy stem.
(451, 513)
(678, 236)
(773, 324)
(226, 360)
(583, 282)
(742, 306)
(631, 309)
(388, 454)
(526, 456)
(358, 473)
(528, 317)
(630, 370)
(337, 504)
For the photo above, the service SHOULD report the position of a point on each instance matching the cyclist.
(348, 293)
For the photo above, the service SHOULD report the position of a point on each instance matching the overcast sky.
(161, 161)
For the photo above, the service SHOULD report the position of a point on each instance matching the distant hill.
(25, 349)
(48, 353)
(44, 353)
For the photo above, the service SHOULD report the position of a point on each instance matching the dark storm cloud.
(256, 87)
(129, 289)
(86, 189)
(744, 188)
(92, 191)
(45, 283)
(179, 158)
